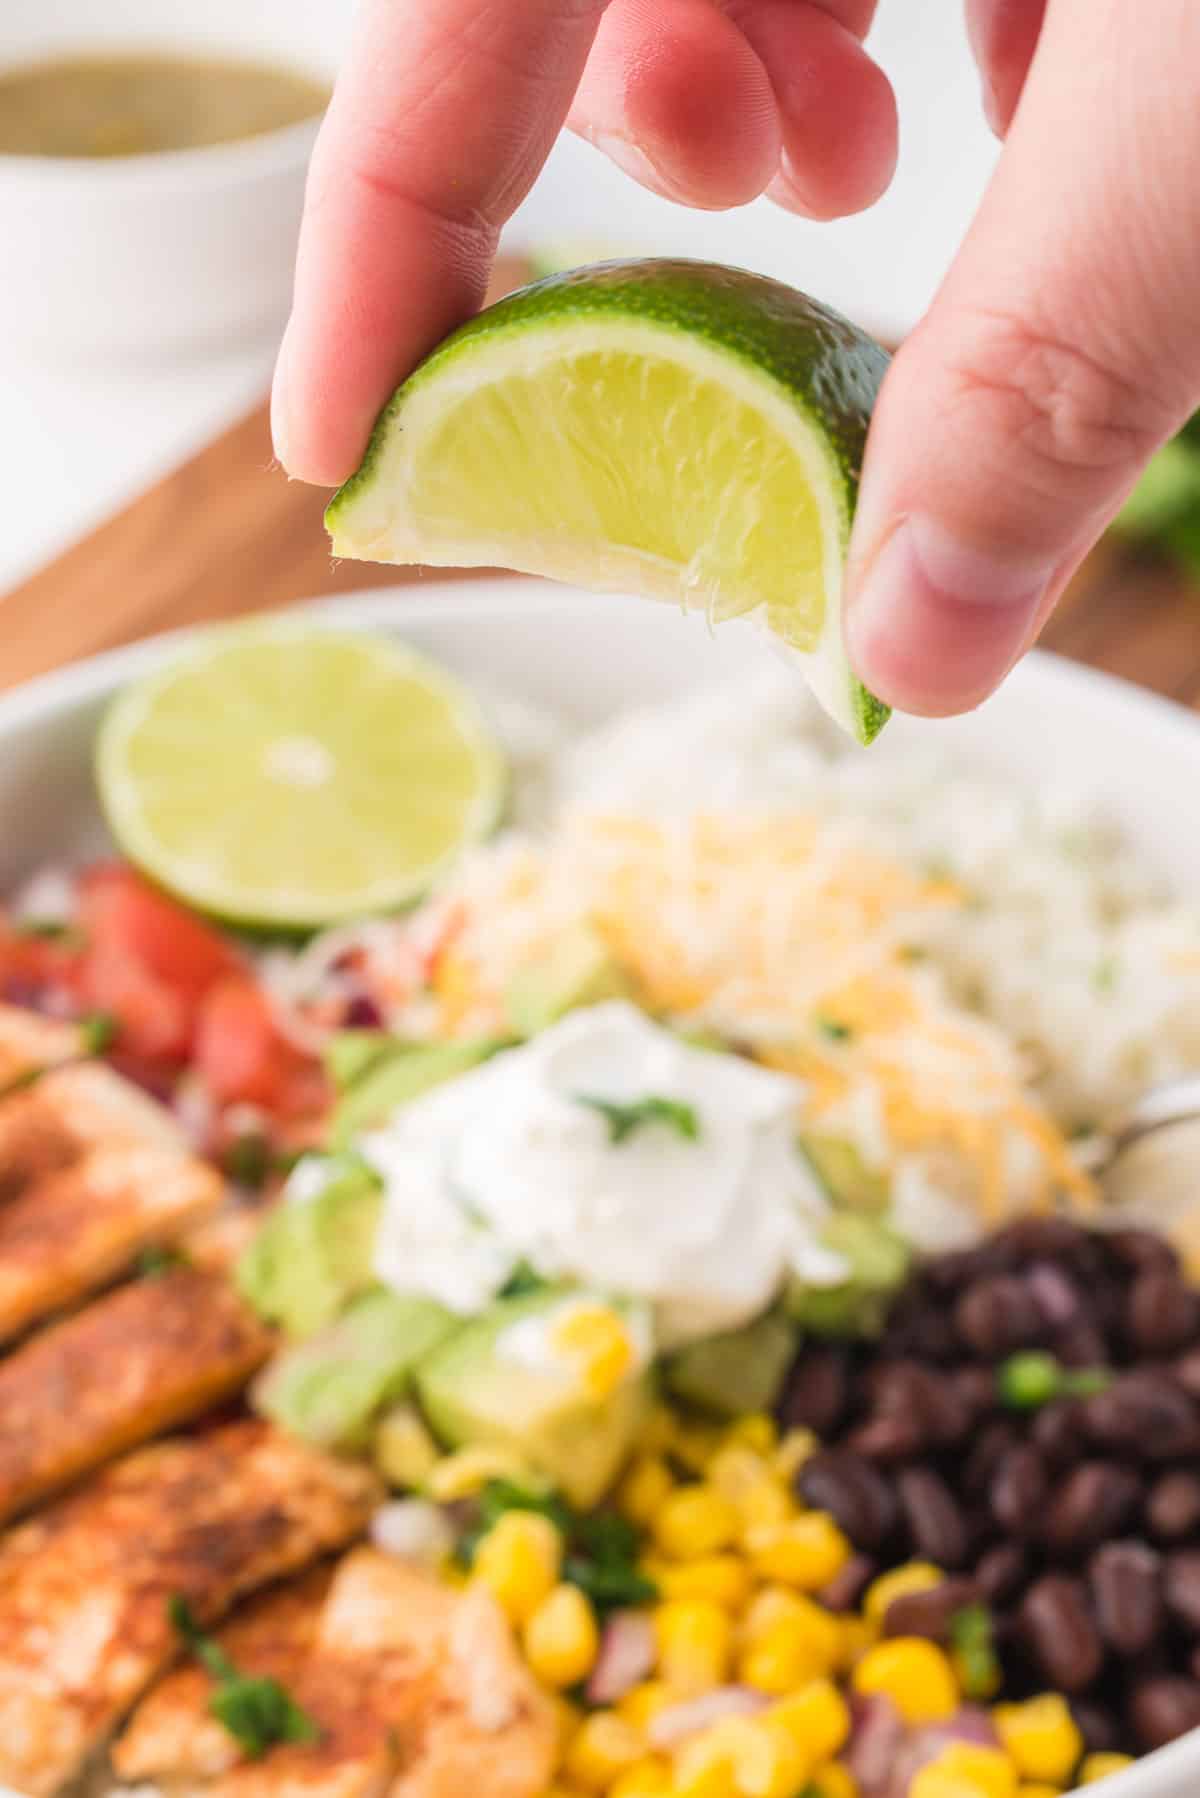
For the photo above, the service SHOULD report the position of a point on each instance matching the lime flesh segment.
(678, 430)
(288, 776)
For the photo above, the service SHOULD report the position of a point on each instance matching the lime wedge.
(674, 429)
(285, 775)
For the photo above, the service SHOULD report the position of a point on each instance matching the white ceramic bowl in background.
(149, 255)
(586, 657)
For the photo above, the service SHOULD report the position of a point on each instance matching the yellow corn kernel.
(858, 1634)
(561, 1639)
(756, 1430)
(1038, 1791)
(1042, 1737)
(984, 1770)
(935, 1781)
(795, 1448)
(518, 1561)
(695, 1641)
(558, 1791)
(807, 1552)
(914, 1576)
(602, 1748)
(644, 1490)
(767, 1503)
(723, 1578)
(1102, 1766)
(914, 1674)
(648, 1778)
(818, 1717)
(641, 1705)
(736, 1468)
(790, 1652)
(763, 1757)
(567, 1718)
(695, 1521)
(768, 1607)
(704, 1779)
(464, 1474)
(833, 1780)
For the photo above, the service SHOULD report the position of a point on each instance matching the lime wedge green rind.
(288, 776)
(685, 431)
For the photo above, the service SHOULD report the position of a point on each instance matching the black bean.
(1018, 1491)
(1126, 1580)
(1173, 1506)
(1031, 1238)
(920, 1327)
(1002, 1572)
(1082, 1344)
(1058, 1433)
(1098, 1726)
(931, 1613)
(1057, 1623)
(1142, 1251)
(925, 1395)
(853, 1493)
(994, 1441)
(1146, 1414)
(934, 1517)
(1163, 1314)
(1055, 1294)
(1187, 1372)
(1181, 1582)
(818, 1390)
(1094, 1502)
(976, 1390)
(846, 1589)
(997, 1315)
(888, 1436)
(1162, 1709)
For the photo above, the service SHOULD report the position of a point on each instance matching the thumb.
(1059, 353)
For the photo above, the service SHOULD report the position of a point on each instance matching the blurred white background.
(81, 435)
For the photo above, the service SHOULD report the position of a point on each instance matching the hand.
(1060, 351)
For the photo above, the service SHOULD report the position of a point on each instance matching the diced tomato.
(154, 1020)
(243, 1059)
(30, 964)
(122, 914)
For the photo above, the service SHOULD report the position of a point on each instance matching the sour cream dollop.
(510, 1164)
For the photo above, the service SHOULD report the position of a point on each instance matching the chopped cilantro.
(833, 1028)
(636, 1114)
(50, 930)
(248, 1160)
(523, 1280)
(975, 1651)
(601, 1548)
(159, 1258)
(98, 1031)
(258, 1713)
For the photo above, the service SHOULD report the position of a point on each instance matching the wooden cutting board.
(227, 533)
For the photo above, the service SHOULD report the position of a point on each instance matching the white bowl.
(586, 657)
(153, 254)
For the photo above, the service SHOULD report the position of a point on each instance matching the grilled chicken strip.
(417, 1692)
(29, 1042)
(85, 1585)
(91, 1171)
(172, 1738)
(133, 1363)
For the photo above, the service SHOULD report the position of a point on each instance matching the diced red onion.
(679, 1721)
(969, 1724)
(627, 1654)
(1056, 1298)
(411, 1529)
(47, 897)
(875, 1742)
(192, 1105)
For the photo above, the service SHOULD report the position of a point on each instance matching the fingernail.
(933, 623)
(281, 404)
(632, 159)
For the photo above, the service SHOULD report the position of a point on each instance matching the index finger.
(442, 117)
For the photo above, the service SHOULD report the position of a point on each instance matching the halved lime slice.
(674, 429)
(288, 775)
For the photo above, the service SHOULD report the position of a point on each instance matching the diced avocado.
(311, 1255)
(329, 1389)
(844, 1174)
(350, 1054)
(404, 1450)
(879, 1260)
(577, 969)
(473, 1394)
(401, 1076)
(742, 1370)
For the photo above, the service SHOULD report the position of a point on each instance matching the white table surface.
(76, 443)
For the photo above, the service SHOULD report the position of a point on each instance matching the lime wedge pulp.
(674, 429)
(285, 775)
